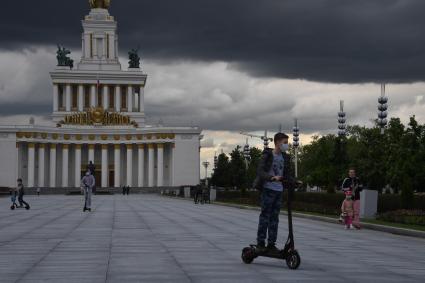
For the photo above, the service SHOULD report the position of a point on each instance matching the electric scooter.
(288, 253)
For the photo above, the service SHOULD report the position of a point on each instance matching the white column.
(91, 153)
(142, 99)
(117, 164)
(104, 178)
(105, 97)
(95, 47)
(31, 164)
(150, 165)
(18, 163)
(55, 98)
(41, 160)
(129, 164)
(65, 164)
(52, 168)
(86, 44)
(111, 46)
(68, 98)
(118, 98)
(141, 165)
(160, 181)
(77, 180)
(130, 98)
(80, 98)
(104, 53)
(172, 165)
(93, 96)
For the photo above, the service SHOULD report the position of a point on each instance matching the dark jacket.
(352, 183)
(21, 190)
(266, 164)
(91, 168)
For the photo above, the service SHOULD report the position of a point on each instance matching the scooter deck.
(279, 254)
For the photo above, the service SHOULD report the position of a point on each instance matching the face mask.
(284, 147)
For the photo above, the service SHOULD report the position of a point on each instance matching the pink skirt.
(356, 206)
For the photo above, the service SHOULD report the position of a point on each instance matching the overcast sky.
(232, 65)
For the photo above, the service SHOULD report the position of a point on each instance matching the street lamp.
(382, 109)
(246, 153)
(296, 144)
(206, 164)
(341, 120)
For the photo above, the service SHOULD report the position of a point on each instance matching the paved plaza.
(148, 238)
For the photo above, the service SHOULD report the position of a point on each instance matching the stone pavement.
(148, 238)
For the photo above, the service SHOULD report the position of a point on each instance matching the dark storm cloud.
(24, 108)
(320, 40)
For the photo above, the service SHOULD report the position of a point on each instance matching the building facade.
(98, 115)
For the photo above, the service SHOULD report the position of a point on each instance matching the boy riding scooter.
(271, 172)
(273, 177)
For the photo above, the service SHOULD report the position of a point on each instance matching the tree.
(238, 168)
(396, 157)
(255, 157)
(317, 162)
(221, 175)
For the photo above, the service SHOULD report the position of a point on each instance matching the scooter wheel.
(293, 259)
(12, 207)
(247, 255)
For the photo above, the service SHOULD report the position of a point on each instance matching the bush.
(319, 202)
(313, 202)
(394, 202)
(407, 194)
(413, 217)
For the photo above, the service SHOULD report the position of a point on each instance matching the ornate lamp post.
(382, 109)
(206, 164)
(246, 153)
(341, 120)
(296, 144)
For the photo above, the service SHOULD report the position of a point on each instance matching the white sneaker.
(351, 226)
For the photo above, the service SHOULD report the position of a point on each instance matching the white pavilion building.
(99, 115)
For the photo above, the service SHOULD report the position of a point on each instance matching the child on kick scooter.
(21, 193)
(347, 210)
(13, 195)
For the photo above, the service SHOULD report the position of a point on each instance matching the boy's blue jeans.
(271, 202)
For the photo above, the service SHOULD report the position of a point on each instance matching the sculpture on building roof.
(100, 4)
(134, 58)
(62, 57)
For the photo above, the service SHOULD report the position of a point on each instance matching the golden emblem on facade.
(97, 116)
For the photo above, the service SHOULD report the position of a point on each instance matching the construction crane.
(264, 138)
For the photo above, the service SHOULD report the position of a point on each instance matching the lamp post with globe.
(382, 109)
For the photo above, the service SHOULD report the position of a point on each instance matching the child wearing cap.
(347, 210)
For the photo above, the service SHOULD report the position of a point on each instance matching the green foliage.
(407, 193)
(234, 172)
(323, 203)
(412, 217)
(221, 176)
(238, 168)
(396, 158)
(255, 157)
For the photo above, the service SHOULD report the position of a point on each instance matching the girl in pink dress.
(347, 209)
